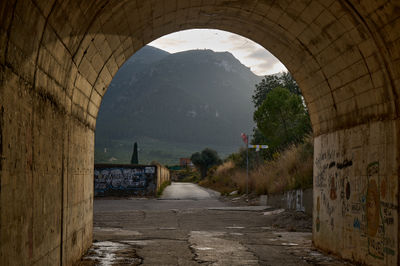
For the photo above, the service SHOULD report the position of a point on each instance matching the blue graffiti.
(356, 223)
(363, 199)
(139, 180)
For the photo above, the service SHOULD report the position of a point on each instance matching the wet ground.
(189, 225)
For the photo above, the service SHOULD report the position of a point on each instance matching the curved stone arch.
(301, 44)
(302, 47)
(360, 12)
(57, 59)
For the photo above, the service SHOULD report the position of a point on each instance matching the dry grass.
(225, 168)
(223, 178)
(291, 169)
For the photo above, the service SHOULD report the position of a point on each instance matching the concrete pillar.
(356, 192)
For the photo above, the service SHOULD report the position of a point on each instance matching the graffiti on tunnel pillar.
(357, 202)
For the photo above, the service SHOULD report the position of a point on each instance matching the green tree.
(268, 83)
(239, 158)
(135, 157)
(205, 160)
(282, 119)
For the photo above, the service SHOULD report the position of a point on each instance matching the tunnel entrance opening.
(181, 223)
(58, 58)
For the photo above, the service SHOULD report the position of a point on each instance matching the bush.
(186, 175)
(222, 178)
(204, 160)
(289, 169)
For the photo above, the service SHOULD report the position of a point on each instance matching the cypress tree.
(135, 158)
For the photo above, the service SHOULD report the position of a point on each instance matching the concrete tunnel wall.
(58, 57)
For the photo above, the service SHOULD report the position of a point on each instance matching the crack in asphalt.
(195, 257)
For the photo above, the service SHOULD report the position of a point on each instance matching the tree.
(282, 119)
(135, 157)
(268, 83)
(289, 83)
(204, 160)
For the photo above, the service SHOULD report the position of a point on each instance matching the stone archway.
(57, 59)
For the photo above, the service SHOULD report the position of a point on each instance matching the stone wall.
(298, 200)
(163, 175)
(128, 180)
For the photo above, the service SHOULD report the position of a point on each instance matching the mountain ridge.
(195, 96)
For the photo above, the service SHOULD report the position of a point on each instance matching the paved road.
(188, 191)
(178, 196)
(190, 226)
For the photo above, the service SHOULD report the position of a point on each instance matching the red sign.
(244, 138)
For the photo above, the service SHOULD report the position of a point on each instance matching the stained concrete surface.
(57, 59)
(186, 231)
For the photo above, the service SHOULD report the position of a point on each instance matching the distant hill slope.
(199, 97)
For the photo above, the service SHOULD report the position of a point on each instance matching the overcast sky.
(248, 52)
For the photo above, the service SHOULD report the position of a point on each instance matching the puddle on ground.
(107, 253)
(210, 247)
(234, 227)
(137, 242)
(289, 244)
(202, 248)
(316, 254)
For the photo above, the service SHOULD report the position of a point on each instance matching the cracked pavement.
(194, 228)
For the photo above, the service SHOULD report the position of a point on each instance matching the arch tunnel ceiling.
(344, 54)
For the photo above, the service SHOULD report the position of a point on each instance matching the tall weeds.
(290, 169)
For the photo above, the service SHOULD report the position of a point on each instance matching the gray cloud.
(268, 68)
(171, 42)
(240, 43)
(266, 65)
(261, 53)
(266, 60)
(248, 52)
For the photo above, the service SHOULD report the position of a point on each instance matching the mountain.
(194, 97)
(130, 73)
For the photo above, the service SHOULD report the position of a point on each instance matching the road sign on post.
(244, 138)
(257, 147)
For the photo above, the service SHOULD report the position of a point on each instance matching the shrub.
(221, 178)
(289, 169)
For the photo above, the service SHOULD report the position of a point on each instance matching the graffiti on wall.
(140, 180)
(361, 206)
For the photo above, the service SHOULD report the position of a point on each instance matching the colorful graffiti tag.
(360, 207)
(125, 180)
